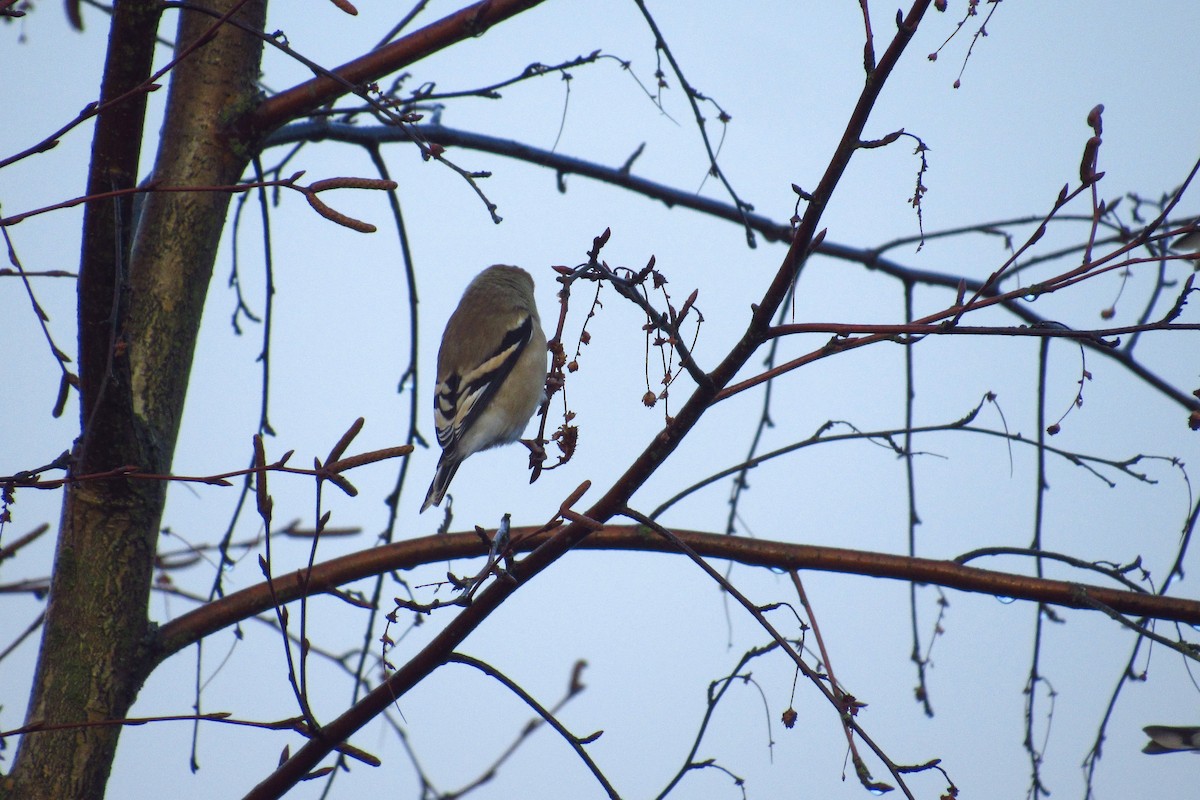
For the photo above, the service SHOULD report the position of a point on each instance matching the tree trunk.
(140, 304)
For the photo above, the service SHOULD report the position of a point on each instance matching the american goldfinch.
(491, 370)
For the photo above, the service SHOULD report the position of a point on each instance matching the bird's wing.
(1172, 739)
(462, 396)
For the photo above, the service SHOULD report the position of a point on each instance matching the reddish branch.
(470, 22)
(938, 324)
(916, 330)
(330, 471)
(412, 553)
(309, 192)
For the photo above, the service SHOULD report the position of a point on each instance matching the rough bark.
(139, 315)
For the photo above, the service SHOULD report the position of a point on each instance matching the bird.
(491, 375)
(1172, 739)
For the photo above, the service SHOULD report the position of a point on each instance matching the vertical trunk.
(140, 301)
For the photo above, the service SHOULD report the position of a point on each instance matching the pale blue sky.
(654, 630)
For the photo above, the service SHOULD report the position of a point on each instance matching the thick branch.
(467, 23)
(412, 553)
(96, 617)
(139, 313)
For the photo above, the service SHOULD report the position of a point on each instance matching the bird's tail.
(441, 481)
